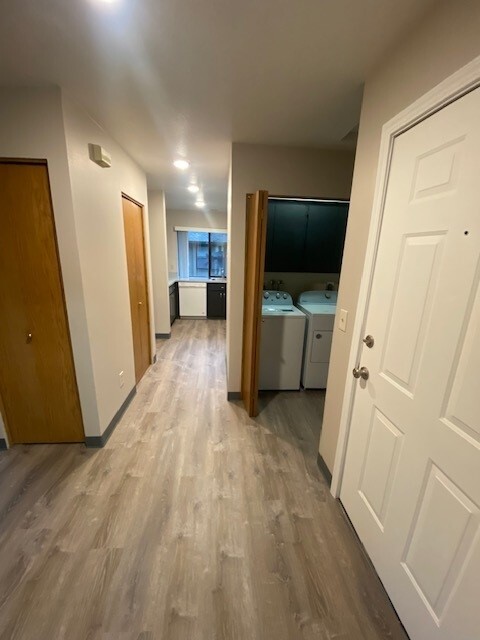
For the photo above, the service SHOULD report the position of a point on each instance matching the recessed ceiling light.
(200, 203)
(193, 188)
(181, 164)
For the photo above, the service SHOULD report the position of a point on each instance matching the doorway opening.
(294, 249)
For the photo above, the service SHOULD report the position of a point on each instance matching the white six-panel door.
(411, 484)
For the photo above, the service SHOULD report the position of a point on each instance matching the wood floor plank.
(194, 522)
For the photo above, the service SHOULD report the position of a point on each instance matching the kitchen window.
(202, 254)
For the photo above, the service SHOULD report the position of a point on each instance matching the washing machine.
(281, 342)
(319, 308)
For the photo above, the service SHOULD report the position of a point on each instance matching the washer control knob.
(277, 296)
(285, 296)
(265, 295)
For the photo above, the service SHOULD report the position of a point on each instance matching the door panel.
(412, 476)
(461, 400)
(37, 376)
(441, 539)
(137, 283)
(255, 240)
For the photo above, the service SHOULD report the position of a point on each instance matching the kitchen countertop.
(173, 280)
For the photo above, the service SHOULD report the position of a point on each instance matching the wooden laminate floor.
(193, 522)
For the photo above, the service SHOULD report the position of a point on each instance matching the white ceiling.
(170, 78)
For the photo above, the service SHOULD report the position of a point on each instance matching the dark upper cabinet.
(327, 224)
(286, 230)
(216, 300)
(305, 237)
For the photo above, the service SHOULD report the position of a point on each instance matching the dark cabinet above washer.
(305, 237)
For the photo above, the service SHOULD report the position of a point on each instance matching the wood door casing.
(37, 377)
(137, 284)
(255, 242)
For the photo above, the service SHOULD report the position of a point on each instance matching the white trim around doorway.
(458, 84)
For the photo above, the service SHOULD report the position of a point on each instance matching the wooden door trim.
(35, 161)
(127, 197)
(23, 161)
(147, 281)
(452, 88)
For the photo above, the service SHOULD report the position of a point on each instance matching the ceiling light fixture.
(200, 203)
(181, 164)
(193, 188)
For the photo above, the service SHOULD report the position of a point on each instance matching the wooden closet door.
(37, 377)
(255, 243)
(137, 283)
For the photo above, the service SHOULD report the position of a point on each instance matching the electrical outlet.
(121, 381)
(342, 320)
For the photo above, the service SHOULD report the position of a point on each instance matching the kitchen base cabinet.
(216, 300)
(173, 291)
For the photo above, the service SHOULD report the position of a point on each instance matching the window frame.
(209, 233)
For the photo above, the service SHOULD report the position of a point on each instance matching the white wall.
(31, 126)
(193, 220)
(281, 171)
(41, 123)
(158, 249)
(97, 202)
(446, 39)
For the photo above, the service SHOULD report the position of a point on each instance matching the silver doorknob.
(140, 303)
(369, 341)
(361, 372)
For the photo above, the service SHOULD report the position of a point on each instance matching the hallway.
(193, 522)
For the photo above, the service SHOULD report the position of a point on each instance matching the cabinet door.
(177, 303)
(215, 304)
(326, 228)
(224, 304)
(286, 235)
(269, 255)
(173, 311)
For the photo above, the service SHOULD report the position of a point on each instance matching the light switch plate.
(342, 319)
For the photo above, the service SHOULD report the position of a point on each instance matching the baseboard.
(322, 465)
(101, 441)
(162, 336)
(234, 395)
(3, 444)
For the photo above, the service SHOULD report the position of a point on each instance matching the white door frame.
(461, 82)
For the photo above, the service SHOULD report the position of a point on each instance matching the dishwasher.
(193, 299)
